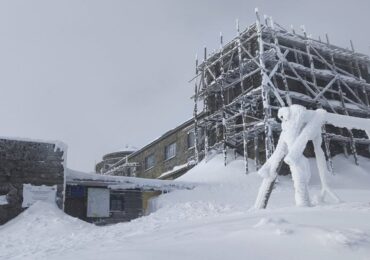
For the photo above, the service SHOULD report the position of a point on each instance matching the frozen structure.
(265, 67)
(299, 126)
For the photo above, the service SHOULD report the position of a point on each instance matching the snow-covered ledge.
(299, 126)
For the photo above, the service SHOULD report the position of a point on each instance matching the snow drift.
(212, 221)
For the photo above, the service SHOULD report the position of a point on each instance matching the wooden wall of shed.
(147, 196)
(134, 205)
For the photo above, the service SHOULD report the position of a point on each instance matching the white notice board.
(97, 203)
(33, 193)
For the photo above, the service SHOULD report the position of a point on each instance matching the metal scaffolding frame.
(265, 67)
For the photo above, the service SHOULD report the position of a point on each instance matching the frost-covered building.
(105, 200)
(112, 158)
(265, 67)
(167, 157)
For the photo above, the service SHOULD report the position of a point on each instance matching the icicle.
(327, 150)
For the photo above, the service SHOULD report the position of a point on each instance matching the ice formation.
(299, 126)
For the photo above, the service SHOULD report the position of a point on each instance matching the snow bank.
(41, 228)
(212, 221)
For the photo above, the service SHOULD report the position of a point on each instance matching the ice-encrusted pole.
(224, 127)
(352, 142)
(256, 150)
(360, 76)
(205, 109)
(283, 75)
(265, 89)
(240, 60)
(245, 138)
(314, 82)
(195, 114)
(242, 109)
(268, 184)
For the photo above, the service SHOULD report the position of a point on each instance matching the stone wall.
(28, 162)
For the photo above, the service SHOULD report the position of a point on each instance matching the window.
(117, 202)
(170, 151)
(191, 139)
(149, 162)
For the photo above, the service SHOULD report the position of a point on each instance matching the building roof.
(122, 182)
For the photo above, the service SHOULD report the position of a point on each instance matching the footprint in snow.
(348, 238)
(275, 224)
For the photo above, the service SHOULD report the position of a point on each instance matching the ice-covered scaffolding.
(244, 83)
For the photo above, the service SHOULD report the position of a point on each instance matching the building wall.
(135, 203)
(27, 162)
(110, 159)
(183, 159)
(183, 154)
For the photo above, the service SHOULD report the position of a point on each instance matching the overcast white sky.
(101, 74)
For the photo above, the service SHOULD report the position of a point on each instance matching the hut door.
(97, 203)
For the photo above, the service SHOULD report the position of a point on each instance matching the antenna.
(327, 38)
(292, 28)
(221, 40)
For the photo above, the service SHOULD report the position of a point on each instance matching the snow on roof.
(175, 169)
(128, 148)
(58, 144)
(124, 182)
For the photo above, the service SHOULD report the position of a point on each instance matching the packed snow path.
(213, 221)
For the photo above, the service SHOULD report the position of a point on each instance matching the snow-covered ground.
(213, 221)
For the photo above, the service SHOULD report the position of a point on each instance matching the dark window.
(170, 151)
(117, 202)
(149, 162)
(191, 139)
(75, 191)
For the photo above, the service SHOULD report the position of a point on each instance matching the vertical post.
(277, 48)
(294, 47)
(265, 91)
(364, 92)
(256, 151)
(206, 109)
(240, 60)
(266, 186)
(327, 148)
(310, 58)
(245, 138)
(195, 114)
(360, 76)
(352, 141)
(224, 128)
